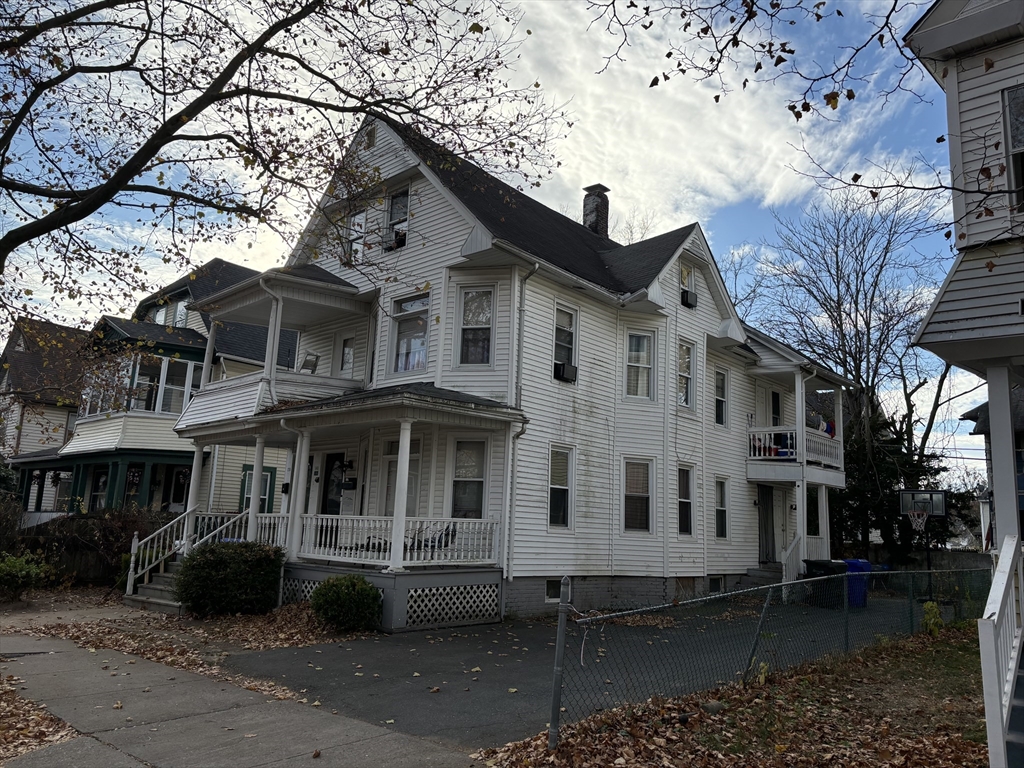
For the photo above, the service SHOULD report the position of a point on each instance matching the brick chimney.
(595, 209)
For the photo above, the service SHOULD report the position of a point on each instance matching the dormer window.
(1015, 144)
(398, 220)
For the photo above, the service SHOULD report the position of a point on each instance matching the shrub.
(932, 622)
(230, 577)
(347, 603)
(18, 574)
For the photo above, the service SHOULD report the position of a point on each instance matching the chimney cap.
(596, 189)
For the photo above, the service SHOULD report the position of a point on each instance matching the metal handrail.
(1000, 638)
(157, 547)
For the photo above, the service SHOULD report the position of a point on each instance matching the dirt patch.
(916, 702)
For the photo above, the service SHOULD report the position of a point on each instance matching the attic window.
(370, 137)
(398, 220)
(1015, 143)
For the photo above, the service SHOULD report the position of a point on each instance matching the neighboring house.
(983, 426)
(40, 382)
(124, 449)
(975, 51)
(495, 396)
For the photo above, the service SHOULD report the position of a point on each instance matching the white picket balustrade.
(346, 538)
(824, 449)
(449, 540)
(791, 560)
(155, 548)
(272, 529)
(772, 443)
(1000, 637)
(220, 527)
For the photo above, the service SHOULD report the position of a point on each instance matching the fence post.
(556, 686)
(910, 602)
(131, 567)
(757, 635)
(846, 611)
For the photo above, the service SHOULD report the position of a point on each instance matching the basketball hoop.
(919, 514)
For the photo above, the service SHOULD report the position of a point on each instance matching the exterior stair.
(762, 576)
(158, 593)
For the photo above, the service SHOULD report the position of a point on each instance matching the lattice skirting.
(456, 604)
(297, 590)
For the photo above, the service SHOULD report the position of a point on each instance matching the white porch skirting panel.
(420, 599)
(362, 540)
(817, 548)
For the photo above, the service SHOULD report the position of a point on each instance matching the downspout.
(273, 339)
(513, 460)
(295, 463)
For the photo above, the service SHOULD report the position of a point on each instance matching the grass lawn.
(912, 702)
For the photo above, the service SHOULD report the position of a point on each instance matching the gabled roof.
(203, 281)
(982, 423)
(514, 217)
(47, 367)
(796, 356)
(152, 333)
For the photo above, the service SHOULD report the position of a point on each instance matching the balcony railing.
(780, 444)
(427, 541)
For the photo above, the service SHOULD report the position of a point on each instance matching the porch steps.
(158, 594)
(762, 576)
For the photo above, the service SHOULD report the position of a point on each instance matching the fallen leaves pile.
(25, 725)
(891, 706)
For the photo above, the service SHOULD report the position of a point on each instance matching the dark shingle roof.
(48, 369)
(419, 389)
(153, 332)
(982, 423)
(312, 272)
(215, 275)
(513, 216)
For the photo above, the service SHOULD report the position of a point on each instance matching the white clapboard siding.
(226, 469)
(99, 433)
(321, 340)
(980, 81)
(149, 432)
(42, 427)
(979, 302)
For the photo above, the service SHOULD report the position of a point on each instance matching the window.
(639, 364)
(685, 500)
(413, 488)
(266, 503)
(173, 396)
(344, 356)
(559, 483)
(398, 220)
(685, 276)
(685, 363)
(776, 408)
(411, 333)
(475, 331)
(721, 397)
(354, 234)
(1015, 143)
(147, 385)
(638, 496)
(565, 336)
(98, 497)
(553, 591)
(813, 512)
(468, 484)
(721, 509)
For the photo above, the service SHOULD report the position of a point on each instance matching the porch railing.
(272, 529)
(1000, 637)
(818, 548)
(220, 527)
(156, 548)
(791, 560)
(368, 540)
(772, 443)
(824, 449)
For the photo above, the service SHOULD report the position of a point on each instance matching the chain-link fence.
(683, 647)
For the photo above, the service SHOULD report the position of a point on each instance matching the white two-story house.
(489, 396)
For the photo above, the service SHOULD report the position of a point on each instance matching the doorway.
(766, 523)
(334, 484)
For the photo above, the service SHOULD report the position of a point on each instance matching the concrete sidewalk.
(168, 718)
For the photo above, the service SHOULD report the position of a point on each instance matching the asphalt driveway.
(475, 687)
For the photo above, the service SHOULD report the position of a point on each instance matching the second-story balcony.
(240, 397)
(785, 453)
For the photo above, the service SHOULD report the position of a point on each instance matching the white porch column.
(194, 481)
(838, 408)
(270, 351)
(297, 497)
(207, 373)
(823, 527)
(1004, 478)
(799, 394)
(401, 496)
(257, 488)
(800, 492)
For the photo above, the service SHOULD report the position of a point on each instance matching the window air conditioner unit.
(565, 372)
(688, 298)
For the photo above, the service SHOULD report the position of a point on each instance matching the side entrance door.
(766, 523)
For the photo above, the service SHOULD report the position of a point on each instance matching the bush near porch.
(347, 603)
(230, 577)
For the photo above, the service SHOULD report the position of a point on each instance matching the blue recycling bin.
(857, 583)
